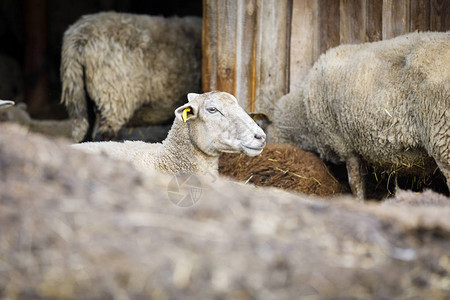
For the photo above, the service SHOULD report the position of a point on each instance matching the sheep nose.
(261, 137)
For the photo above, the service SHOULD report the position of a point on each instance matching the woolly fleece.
(387, 102)
(124, 61)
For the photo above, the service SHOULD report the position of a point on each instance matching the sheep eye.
(212, 110)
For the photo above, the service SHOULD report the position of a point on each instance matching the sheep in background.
(18, 114)
(282, 166)
(63, 128)
(206, 126)
(119, 62)
(4, 104)
(386, 102)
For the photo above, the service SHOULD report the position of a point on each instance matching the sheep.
(78, 226)
(115, 63)
(18, 114)
(283, 166)
(386, 103)
(4, 104)
(63, 128)
(206, 126)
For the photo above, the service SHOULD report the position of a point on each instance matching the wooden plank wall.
(246, 49)
(259, 50)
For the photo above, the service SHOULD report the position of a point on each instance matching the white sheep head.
(5, 104)
(217, 123)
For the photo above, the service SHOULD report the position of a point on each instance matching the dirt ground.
(79, 226)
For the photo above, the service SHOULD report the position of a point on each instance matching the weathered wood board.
(259, 50)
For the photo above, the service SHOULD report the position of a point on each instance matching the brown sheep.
(283, 166)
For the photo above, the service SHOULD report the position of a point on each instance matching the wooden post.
(360, 21)
(396, 18)
(304, 33)
(440, 15)
(374, 16)
(329, 26)
(36, 65)
(246, 54)
(272, 53)
(353, 21)
(420, 15)
(314, 29)
(246, 49)
(226, 46)
(209, 51)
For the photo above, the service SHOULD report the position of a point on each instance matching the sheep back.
(387, 101)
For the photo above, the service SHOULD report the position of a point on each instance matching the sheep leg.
(105, 134)
(103, 131)
(79, 115)
(112, 116)
(355, 177)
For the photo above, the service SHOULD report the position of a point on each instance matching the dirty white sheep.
(208, 125)
(386, 102)
(114, 63)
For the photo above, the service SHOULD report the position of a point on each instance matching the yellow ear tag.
(184, 114)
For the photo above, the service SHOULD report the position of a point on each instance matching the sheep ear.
(186, 112)
(191, 96)
(261, 119)
(6, 103)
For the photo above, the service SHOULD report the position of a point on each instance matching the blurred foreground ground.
(74, 226)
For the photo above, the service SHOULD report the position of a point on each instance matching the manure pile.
(282, 166)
